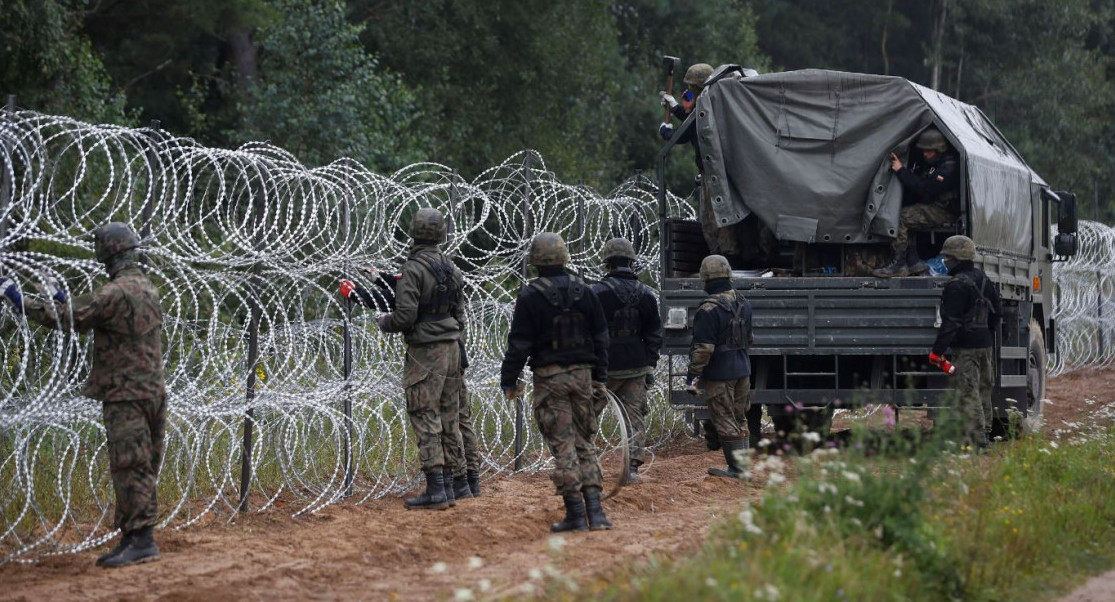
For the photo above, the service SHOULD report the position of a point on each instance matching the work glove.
(666, 131)
(51, 288)
(939, 360)
(649, 379)
(371, 271)
(347, 288)
(668, 101)
(9, 290)
(513, 393)
(382, 322)
(693, 386)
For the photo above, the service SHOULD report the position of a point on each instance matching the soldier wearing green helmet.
(635, 338)
(970, 313)
(931, 199)
(559, 326)
(429, 312)
(126, 376)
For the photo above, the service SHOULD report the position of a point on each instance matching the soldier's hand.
(347, 288)
(895, 162)
(50, 287)
(371, 271)
(9, 290)
(512, 393)
(668, 101)
(694, 387)
(666, 131)
(382, 322)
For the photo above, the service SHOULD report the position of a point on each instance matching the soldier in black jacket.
(719, 365)
(931, 199)
(970, 315)
(635, 332)
(559, 326)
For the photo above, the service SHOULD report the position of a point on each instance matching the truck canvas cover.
(808, 153)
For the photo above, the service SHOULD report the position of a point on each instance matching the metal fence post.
(350, 469)
(7, 187)
(258, 200)
(527, 229)
(152, 157)
(1099, 274)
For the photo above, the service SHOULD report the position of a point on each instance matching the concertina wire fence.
(247, 247)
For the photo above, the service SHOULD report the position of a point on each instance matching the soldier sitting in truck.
(931, 200)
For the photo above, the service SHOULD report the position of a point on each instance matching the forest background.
(468, 83)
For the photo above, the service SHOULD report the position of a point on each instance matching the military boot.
(461, 489)
(712, 439)
(474, 482)
(139, 549)
(447, 480)
(633, 472)
(597, 521)
(754, 427)
(896, 268)
(914, 265)
(434, 496)
(734, 454)
(125, 539)
(574, 515)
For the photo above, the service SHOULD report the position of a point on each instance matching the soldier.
(126, 376)
(718, 362)
(932, 199)
(635, 335)
(429, 311)
(559, 325)
(383, 299)
(970, 314)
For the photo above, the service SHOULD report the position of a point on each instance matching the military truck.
(803, 157)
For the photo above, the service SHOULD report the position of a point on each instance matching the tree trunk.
(243, 55)
(938, 43)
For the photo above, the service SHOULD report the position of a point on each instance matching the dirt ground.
(496, 546)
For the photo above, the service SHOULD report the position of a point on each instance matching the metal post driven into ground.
(527, 232)
(7, 187)
(152, 157)
(346, 333)
(252, 365)
(1099, 275)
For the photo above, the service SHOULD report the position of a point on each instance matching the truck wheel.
(1037, 365)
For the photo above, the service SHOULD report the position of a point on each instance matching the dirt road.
(495, 545)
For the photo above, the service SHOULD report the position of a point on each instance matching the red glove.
(347, 288)
(942, 363)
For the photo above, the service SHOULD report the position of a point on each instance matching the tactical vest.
(442, 303)
(569, 330)
(976, 318)
(737, 326)
(626, 323)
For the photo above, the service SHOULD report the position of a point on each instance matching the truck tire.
(1037, 366)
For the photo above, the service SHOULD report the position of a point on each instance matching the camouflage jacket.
(416, 288)
(126, 321)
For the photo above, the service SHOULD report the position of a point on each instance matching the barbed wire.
(232, 230)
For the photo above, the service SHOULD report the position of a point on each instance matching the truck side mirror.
(1064, 245)
(1066, 213)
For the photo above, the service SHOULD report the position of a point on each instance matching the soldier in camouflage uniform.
(719, 366)
(429, 311)
(469, 442)
(126, 376)
(635, 337)
(559, 325)
(970, 313)
(931, 195)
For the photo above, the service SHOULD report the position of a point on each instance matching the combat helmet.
(113, 239)
(932, 139)
(428, 224)
(960, 247)
(697, 74)
(715, 266)
(618, 247)
(548, 249)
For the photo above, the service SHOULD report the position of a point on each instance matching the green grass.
(1025, 522)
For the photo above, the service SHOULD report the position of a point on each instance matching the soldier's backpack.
(977, 317)
(739, 323)
(443, 303)
(569, 330)
(626, 323)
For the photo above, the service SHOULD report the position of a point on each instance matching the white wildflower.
(534, 574)
(463, 594)
(748, 521)
(484, 584)
(557, 542)
(438, 568)
(1053, 444)
(812, 436)
(775, 478)
(764, 442)
(475, 562)
(852, 476)
(772, 592)
(709, 581)
(853, 501)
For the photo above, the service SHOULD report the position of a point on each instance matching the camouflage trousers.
(720, 241)
(468, 435)
(975, 375)
(728, 402)
(135, 431)
(433, 403)
(564, 412)
(632, 393)
(920, 217)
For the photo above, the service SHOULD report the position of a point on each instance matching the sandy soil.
(491, 545)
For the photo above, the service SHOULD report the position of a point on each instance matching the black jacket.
(958, 302)
(532, 331)
(711, 330)
(383, 300)
(632, 346)
(937, 184)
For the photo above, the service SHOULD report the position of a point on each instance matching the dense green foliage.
(469, 83)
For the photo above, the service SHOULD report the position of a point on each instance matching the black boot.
(434, 496)
(914, 265)
(734, 450)
(574, 515)
(633, 472)
(474, 482)
(754, 425)
(897, 266)
(461, 489)
(140, 548)
(597, 521)
(125, 539)
(712, 439)
(447, 479)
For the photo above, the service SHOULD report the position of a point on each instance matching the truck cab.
(802, 159)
